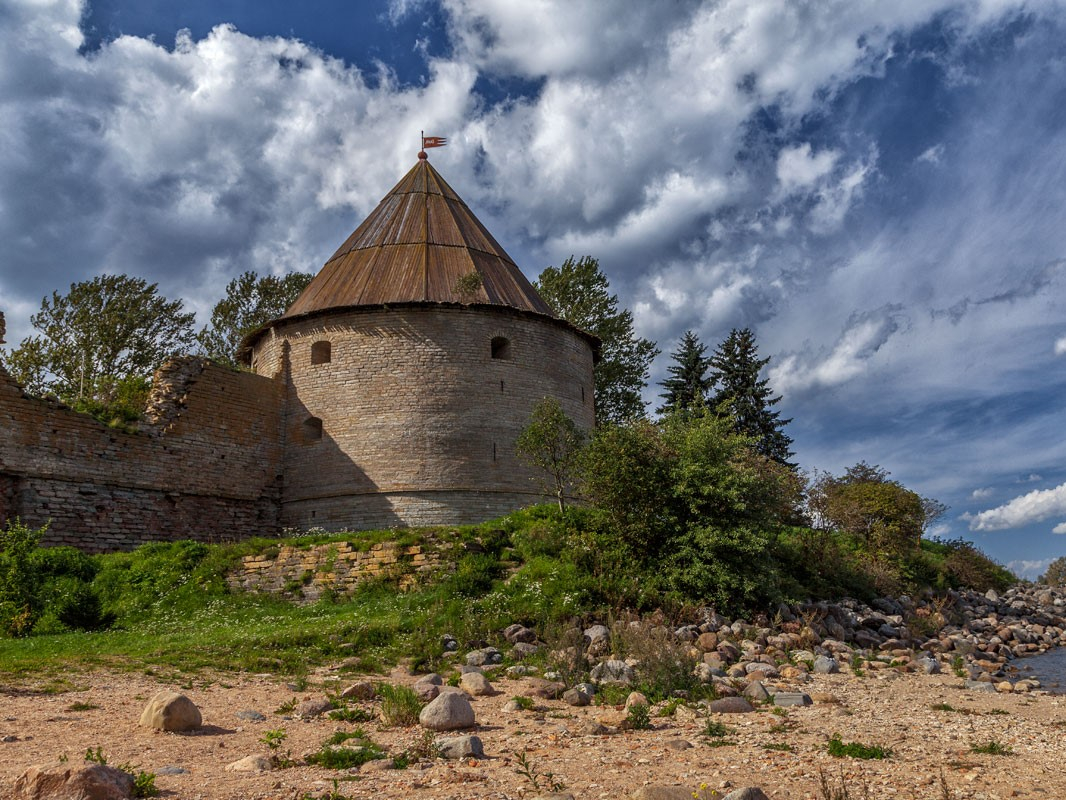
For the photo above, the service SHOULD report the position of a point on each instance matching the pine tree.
(688, 384)
(735, 368)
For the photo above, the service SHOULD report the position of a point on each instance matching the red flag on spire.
(433, 141)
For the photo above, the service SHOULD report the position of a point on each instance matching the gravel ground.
(931, 749)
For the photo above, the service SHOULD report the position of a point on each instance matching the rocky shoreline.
(929, 683)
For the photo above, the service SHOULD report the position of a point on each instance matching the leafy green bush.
(18, 579)
(474, 574)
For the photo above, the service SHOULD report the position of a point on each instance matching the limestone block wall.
(208, 468)
(339, 568)
(408, 415)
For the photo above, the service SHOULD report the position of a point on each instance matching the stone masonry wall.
(207, 469)
(410, 419)
(337, 567)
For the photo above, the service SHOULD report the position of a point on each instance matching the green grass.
(176, 615)
(992, 748)
(346, 750)
(841, 749)
(400, 706)
(716, 730)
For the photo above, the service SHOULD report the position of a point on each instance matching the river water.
(1049, 668)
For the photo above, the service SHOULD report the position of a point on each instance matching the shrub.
(19, 606)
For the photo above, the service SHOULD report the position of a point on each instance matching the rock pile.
(975, 635)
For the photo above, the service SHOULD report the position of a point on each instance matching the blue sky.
(877, 189)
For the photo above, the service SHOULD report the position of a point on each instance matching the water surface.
(1049, 668)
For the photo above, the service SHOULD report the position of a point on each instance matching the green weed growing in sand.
(842, 749)
(528, 770)
(992, 748)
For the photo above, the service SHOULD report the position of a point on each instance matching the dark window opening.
(494, 451)
(312, 429)
(501, 386)
(501, 348)
(321, 352)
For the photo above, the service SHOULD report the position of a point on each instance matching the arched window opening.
(312, 429)
(501, 348)
(321, 352)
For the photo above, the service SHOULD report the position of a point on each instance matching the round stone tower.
(413, 361)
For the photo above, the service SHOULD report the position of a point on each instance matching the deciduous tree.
(250, 301)
(552, 443)
(101, 339)
(1056, 572)
(579, 293)
(864, 502)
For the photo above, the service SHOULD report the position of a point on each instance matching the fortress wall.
(418, 420)
(207, 469)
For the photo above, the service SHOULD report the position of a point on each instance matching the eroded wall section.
(205, 466)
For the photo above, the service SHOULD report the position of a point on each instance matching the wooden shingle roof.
(421, 244)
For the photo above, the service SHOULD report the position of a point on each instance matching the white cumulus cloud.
(1029, 569)
(1024, 510)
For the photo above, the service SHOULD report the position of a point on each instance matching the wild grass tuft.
(992, 748)
(840, 749)
(400, 706)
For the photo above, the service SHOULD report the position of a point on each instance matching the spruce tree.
(747, 398)
(688, 384)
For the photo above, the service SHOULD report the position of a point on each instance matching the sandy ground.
(886, 708)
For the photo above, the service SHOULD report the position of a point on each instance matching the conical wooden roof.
(415, 247)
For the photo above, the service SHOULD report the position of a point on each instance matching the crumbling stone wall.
(205, 466)
(338, 567)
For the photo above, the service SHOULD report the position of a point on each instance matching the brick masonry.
(209, 471)
(410, 419)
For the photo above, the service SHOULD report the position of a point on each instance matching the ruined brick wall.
(207, 465)
(403, 416)
(340, 568)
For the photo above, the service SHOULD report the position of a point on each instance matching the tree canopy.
(250, 301)
(1056, 572)
(864, 502)
(688, 383)
(100, 343)
(552, 443)
(748, 399)
(578, 291)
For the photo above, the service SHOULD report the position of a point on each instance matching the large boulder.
(448, 712)
(170, 711)
(457, 747)
(476, 685)
(614, 671)
(74, 781)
